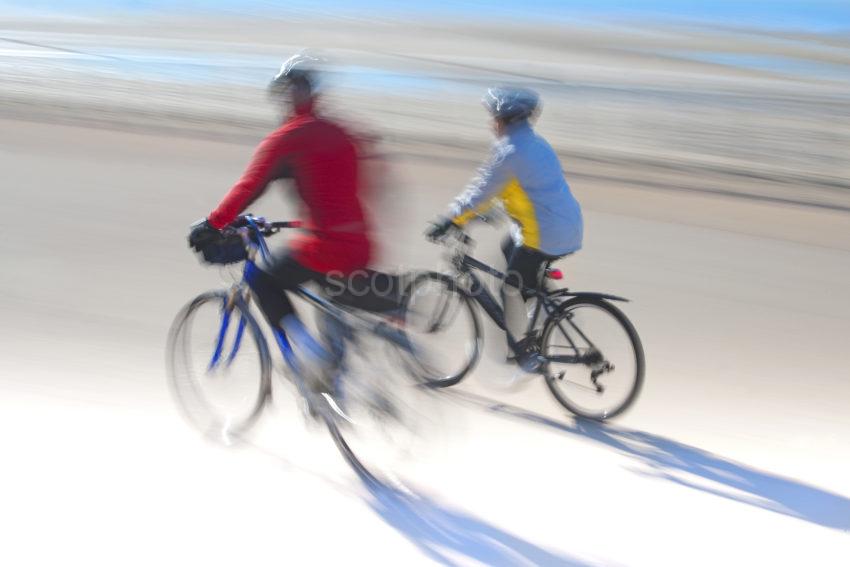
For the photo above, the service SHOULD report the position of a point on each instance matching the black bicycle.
(588, 351)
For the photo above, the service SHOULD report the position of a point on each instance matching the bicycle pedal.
(532, 364)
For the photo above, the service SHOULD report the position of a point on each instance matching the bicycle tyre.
(348, 454)
(379, 417)
(188, 395)
(464, 301)
(637, 349)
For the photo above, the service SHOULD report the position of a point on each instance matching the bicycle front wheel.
(595, 358)
(219, 365)
(441, 323)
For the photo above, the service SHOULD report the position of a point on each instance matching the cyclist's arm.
(479, 194)
(264, 167)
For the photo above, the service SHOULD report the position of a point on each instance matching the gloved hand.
(439, 228)
(217, 246)
(202, 233)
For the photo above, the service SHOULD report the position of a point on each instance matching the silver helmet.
(301, 69)
(511, 104)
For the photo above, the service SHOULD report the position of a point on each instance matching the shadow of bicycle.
(676, 462)
(444, 534)
(452, 537)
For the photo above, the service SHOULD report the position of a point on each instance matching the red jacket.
(322, 159)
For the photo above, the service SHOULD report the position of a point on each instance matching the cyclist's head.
(509, 105)
(296, 84)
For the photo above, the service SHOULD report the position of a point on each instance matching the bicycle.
(223, 409)
(563, 330)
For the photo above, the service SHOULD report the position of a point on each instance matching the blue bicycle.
(220, 364)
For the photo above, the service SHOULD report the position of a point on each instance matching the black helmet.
(511, 104)
(300, 70)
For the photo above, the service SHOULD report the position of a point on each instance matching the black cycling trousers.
(271, 283)
(365, 289)
(525, 269)
(525, 265)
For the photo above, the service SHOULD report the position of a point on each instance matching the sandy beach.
(716, 198)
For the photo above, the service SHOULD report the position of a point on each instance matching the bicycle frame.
(466, 266)
(255, 247)
(258, 246)
(479, 292)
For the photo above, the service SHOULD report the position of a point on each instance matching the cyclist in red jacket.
(321, 157)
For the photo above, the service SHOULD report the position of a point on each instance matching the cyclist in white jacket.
(525, 175)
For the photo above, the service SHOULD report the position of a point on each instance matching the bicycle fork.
(226, 311)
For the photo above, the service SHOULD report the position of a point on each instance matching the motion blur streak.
(708, 146)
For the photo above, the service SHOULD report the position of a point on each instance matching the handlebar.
(254, 230)
(285, 224)
(244, 223)
(492, 217)
(464, 238)
(455, 234)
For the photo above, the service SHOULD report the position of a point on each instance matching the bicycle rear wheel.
(219, 365)
(608, 375)
(441, 322)
(386, 423)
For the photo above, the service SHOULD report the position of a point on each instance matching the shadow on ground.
(677, 462)
(452, 537)
(444, 534)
